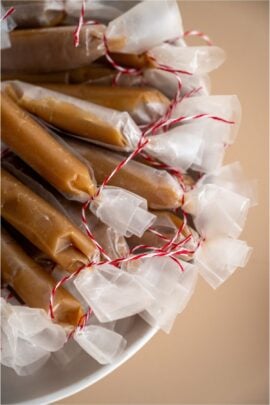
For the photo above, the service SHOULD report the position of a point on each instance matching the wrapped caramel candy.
(144, 105)
(158, 187)
(83, 74)
(34, 285)
(84, 119)
(33, 13)
(37, 147)
(51, 49)
(48, 229)
(134, 32)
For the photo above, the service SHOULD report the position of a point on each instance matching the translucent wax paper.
(112, 293)
(195, 145)
(144, 26)
(102, 344)
(170, 285)
(28, 338)
(130, 211)
(218, 258)
(227, 107)
(220, 202)
(167, 82)
(192, 59)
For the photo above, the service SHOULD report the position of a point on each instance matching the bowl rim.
(89, 380)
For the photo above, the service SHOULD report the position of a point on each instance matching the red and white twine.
(7, 14)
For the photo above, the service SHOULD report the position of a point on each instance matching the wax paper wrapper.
(170, 285)
(220, 202)
(28, 338)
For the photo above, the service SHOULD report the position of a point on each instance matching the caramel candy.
(37, 147)
(34, 285)
(80, 75)
(78, 117)
(144, 105)
(43, 225)
(158, 187)
(43, 50)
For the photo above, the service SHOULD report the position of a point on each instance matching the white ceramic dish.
(53, 383)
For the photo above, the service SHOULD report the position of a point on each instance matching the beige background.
(217, 352)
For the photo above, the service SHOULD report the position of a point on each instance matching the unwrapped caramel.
(158, 187)
(43, 225)
(33, 284)
(144, 104)
(51, 49)
(44, 153)
(78, 117)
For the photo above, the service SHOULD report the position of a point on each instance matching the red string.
(200, 35)
(8, 13)
(61, 282)
(118, 67)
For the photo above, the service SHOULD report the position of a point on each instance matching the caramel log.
(136, 101)
(32, 13)
(76, 116)
(37, 147)
(158, 187)
(79, 75)
(33, 285)
(42, 224)
(51, 49)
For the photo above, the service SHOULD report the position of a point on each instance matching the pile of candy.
(114, 197)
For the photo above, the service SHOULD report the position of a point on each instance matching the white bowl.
(51, 383)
